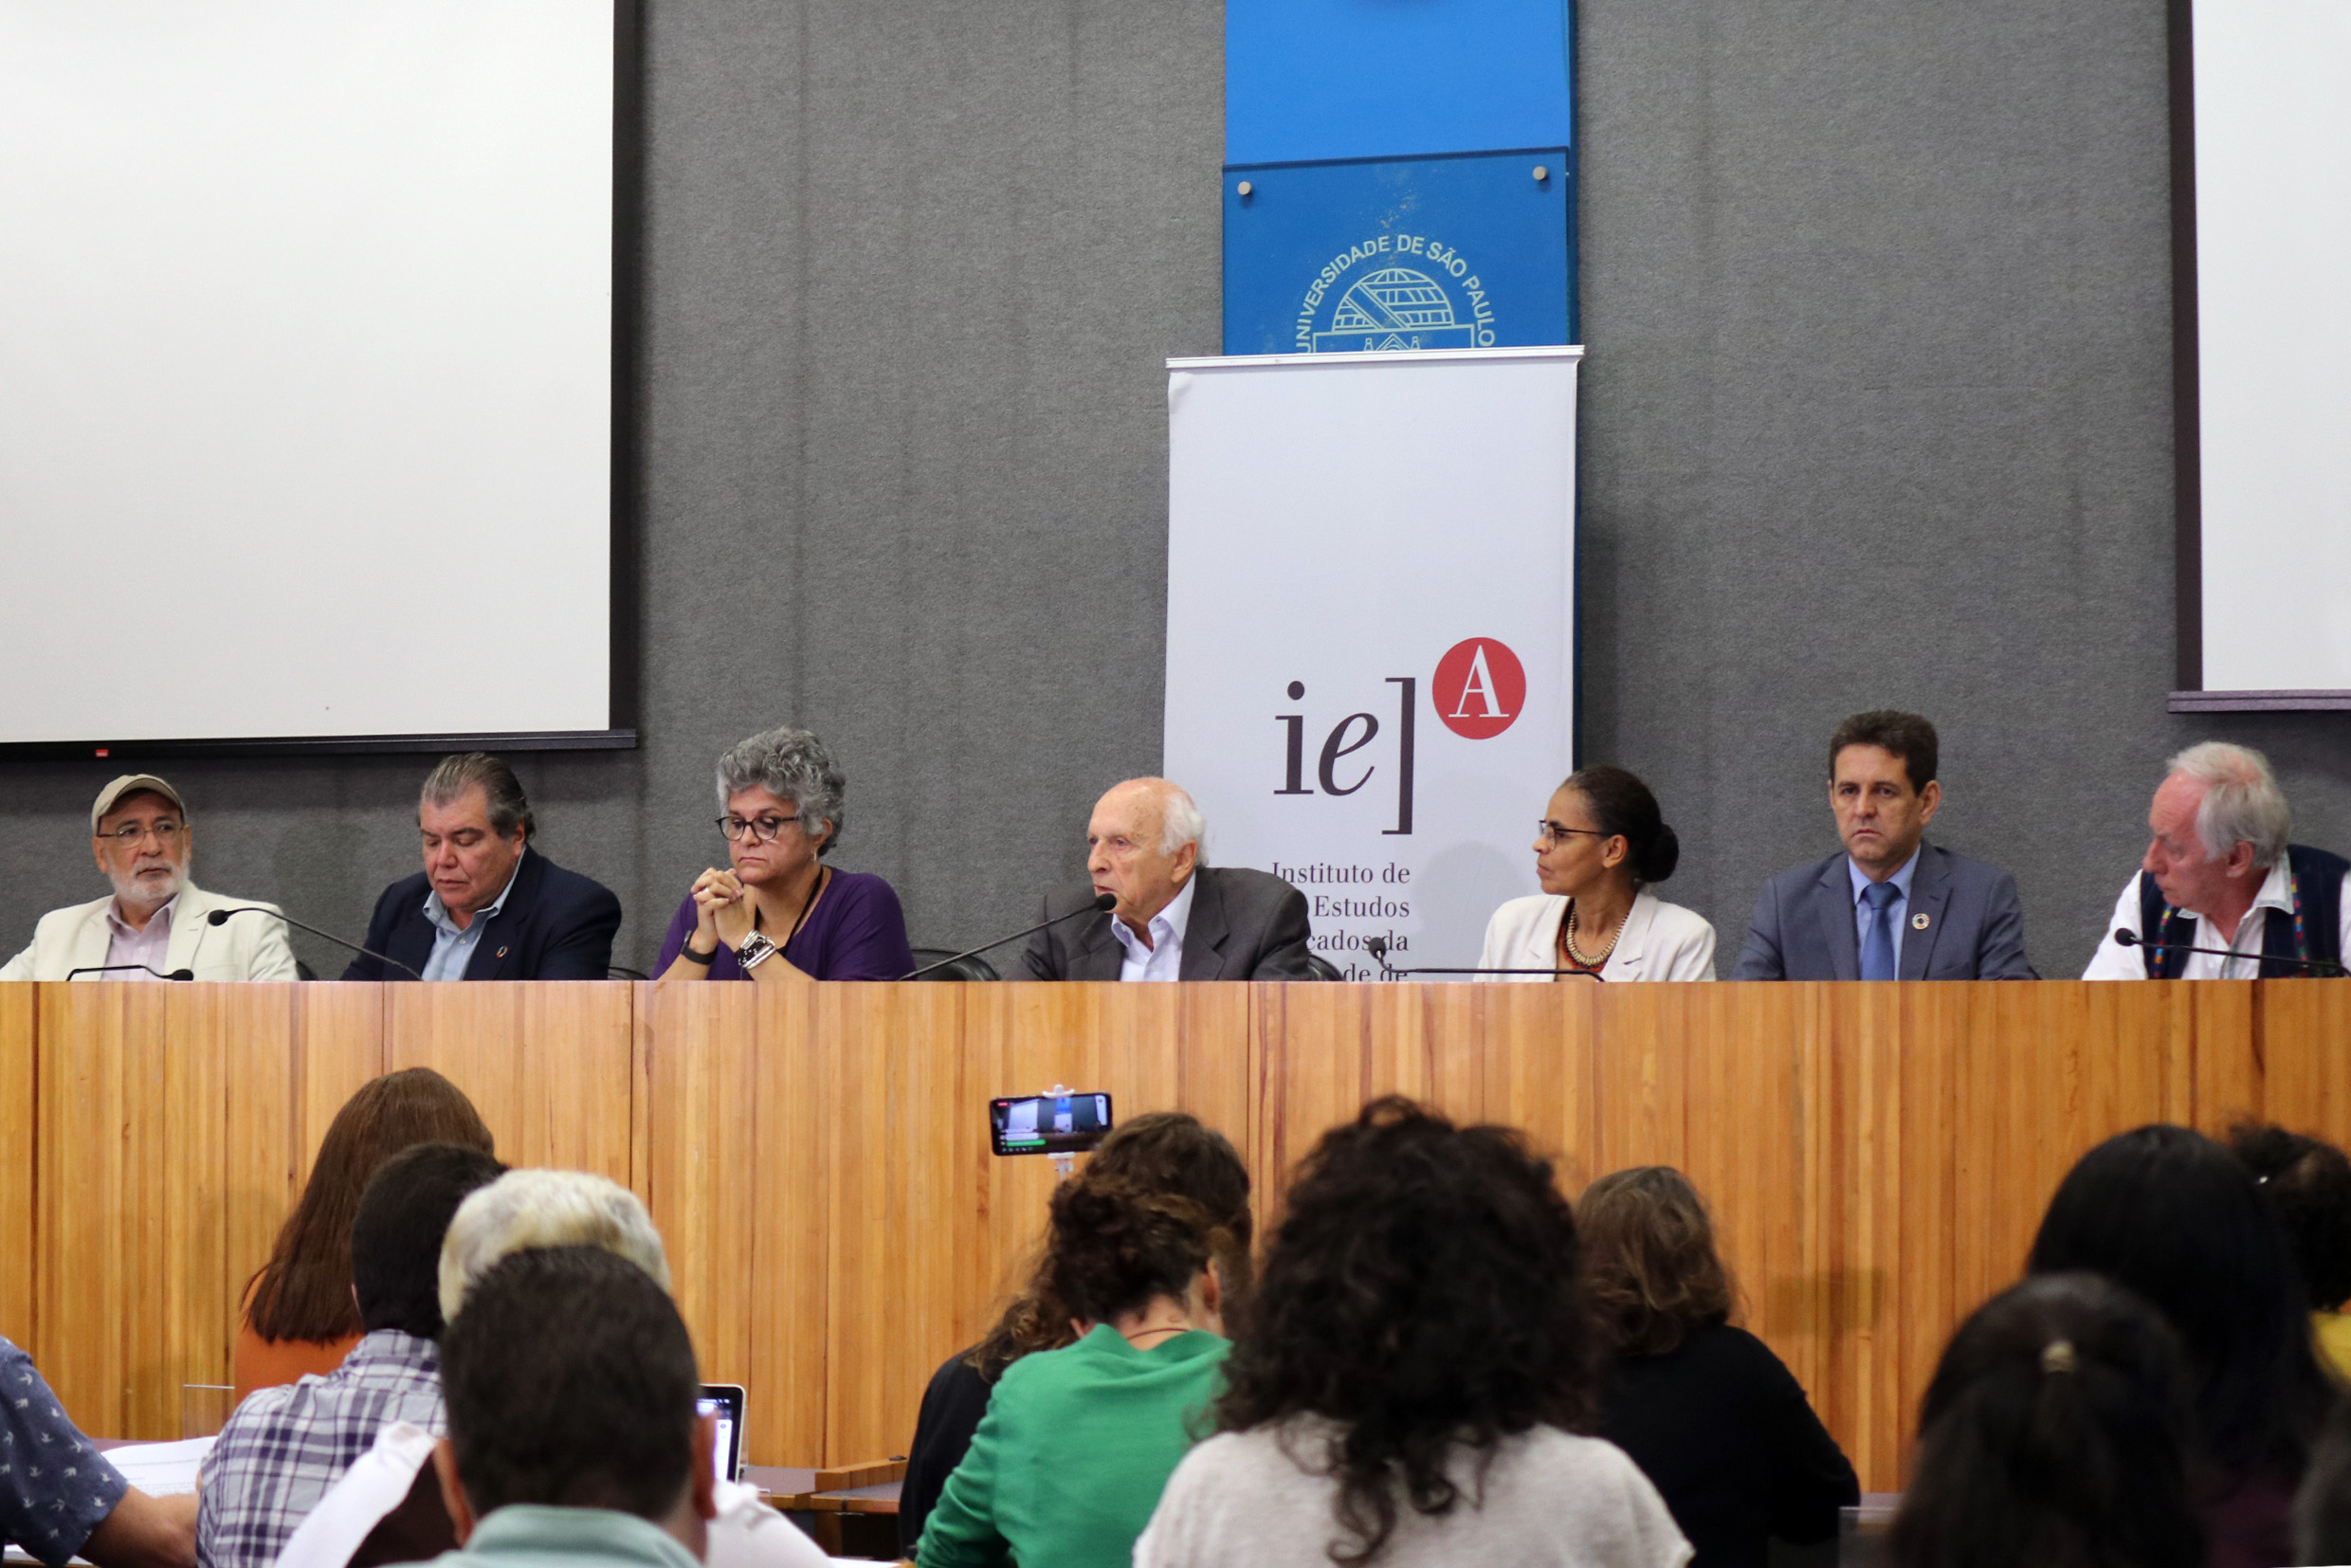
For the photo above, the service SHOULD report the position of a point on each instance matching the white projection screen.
(308, 372)
(2271, 352)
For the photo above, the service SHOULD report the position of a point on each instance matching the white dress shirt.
(2113, 962)
(150, 947)
(1164, 959)
(1660, 940)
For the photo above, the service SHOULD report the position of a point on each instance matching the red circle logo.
(1480, 688)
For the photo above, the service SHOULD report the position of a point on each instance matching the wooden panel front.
(1877, 1156)
(19, 1180)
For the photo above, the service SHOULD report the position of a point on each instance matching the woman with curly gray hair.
(777, 913)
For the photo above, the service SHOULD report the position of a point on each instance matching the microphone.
(2316, 966)
(1101, 901)
(1377, 948)
(220, 917)
(103, 969)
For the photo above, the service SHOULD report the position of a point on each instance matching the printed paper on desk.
(161, 1469)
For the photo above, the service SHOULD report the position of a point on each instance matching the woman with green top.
(1078, 1442)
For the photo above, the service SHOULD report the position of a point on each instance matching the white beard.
(132, 889)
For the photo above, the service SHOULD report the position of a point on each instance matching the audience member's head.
(571, 1383)
(1421, 1292)
(542, 1208)
(396, 1238)
(1115, 1248)
(2056, 1431)
(303, 1292)
(2308, 1184)
(1651, 1270)
(2323, 1508)
(2178, 1220)
(1170, 1152)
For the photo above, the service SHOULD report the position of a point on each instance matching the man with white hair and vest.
(153, 926)
(2219, 874)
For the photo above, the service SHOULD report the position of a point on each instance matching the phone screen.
(1047, 1123)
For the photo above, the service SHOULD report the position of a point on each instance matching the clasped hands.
(722, 910)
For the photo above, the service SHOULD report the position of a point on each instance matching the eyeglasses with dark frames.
(762, 831)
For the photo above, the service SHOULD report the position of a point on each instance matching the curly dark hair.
(2056, 1430)
(1115, 1245)
(1651, 1270)
(1172, 1152)
(1422, 1294)
(2307, 1182)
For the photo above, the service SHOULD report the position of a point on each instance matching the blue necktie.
(1877, 949)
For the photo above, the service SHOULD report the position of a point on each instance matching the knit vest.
(2314, 882)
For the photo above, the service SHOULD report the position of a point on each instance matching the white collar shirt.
(1164, 959)
(150, 947)
(2113, 962)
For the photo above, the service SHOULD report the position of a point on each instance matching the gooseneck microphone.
(1377, 948)
(105, 969)
(2316, 966)
(1101, 901)
(220, 917)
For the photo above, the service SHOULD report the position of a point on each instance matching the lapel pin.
(1918, 923)
(501, 952)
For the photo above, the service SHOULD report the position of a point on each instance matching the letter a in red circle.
(1480, 688)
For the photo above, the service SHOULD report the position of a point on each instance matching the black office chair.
(962, 969)
(1321, 968)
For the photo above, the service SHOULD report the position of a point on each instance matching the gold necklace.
(1575, 955)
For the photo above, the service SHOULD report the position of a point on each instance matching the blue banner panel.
(1319, 80)
(1415, 253)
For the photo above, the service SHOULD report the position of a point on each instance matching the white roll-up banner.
(1370, 630)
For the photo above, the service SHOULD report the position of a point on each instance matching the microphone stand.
(2318, 967)
(1101, 901)
(103, 969)
(1377, 948)
(220, 917)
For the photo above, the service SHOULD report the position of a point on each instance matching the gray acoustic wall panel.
(1877, 412)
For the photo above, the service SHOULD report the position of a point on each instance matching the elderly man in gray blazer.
(1890, 905)
(1175, 918)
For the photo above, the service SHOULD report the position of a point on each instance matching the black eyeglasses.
(1552, 832)
(762, 831)
(167, 833)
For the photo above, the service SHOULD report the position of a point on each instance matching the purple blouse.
(856, 932)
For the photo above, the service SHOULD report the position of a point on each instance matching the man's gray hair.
(508, 807)
(541, 1208)
(791, 765)
(2242, 802)
(1183, 823)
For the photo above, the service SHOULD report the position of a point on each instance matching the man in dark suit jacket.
(1892, 905)
(488, 906)
(1175, 918)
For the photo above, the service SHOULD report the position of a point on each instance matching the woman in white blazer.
(1596, 853)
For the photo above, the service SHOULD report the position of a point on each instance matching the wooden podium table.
(1876, 1155)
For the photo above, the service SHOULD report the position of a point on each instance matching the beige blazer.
(250, 947)
(1661, 941)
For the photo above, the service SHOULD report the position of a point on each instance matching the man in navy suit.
(1892, 905)
(488, 906)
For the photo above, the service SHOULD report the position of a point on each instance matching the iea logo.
(1480, 688)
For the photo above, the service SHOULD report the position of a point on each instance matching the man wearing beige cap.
(153, 925)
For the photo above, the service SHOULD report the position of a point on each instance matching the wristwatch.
(757, 948)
